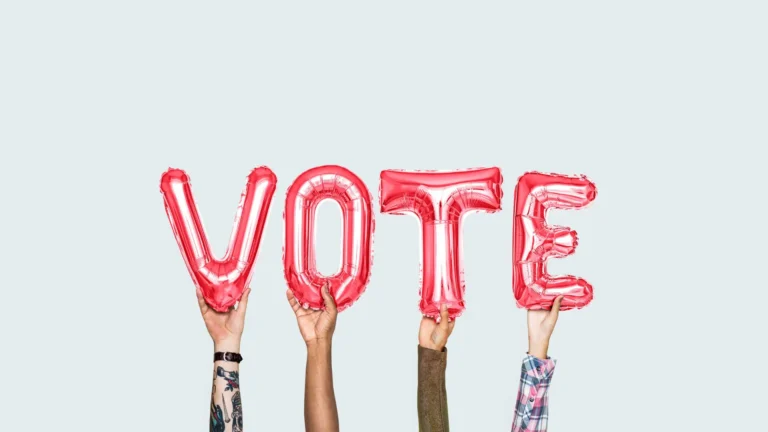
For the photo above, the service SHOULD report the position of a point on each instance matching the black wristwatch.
(227, 356)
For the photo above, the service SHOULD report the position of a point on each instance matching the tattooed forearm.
(220, 416)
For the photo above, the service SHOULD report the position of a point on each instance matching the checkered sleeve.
(531, 411)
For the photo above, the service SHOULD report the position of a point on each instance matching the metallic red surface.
(222, 281)
(535, 241)
(305, 194)
(440, 200)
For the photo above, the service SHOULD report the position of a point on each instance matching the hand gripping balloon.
(535, 241)
(440, 200)
(222, 281)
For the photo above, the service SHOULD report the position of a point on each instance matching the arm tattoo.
(217, 420)
(232, 378)
(237, 413)
(227, 419)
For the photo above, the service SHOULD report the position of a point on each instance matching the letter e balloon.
(535, 241)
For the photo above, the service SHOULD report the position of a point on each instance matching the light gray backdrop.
(662, 103)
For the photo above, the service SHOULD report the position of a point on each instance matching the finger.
(242, 305)
(555, 311)
(201, 301)
(292, 300)
(444, 318)
(330, 303)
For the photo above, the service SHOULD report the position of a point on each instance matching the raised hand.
(434, 335)
(225, 328)
(541, 324)
(315, 325)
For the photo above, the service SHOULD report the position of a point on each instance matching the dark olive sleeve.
(432, 397)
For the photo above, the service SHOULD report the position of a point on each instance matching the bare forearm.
(538, 348)
(320, 414)
(226, 406)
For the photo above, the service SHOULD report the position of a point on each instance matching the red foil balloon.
(440, 200)
(223, 281)
(305, 194)
(535, 241)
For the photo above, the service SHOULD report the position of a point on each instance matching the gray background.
(662, 103)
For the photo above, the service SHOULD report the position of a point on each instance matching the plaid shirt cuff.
(531, 410)
(539, 369)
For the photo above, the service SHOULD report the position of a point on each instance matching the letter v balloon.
(222, 281)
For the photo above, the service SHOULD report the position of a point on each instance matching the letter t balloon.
(440, 200)
(222, 281)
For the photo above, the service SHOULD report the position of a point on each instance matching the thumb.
(328, 301)
(242, 305)
(444, 318)
(555, 311)
(201, 301)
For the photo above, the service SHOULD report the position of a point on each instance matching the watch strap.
(227, 356)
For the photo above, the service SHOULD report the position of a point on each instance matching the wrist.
(538, 349)
(319, 344)
(227, 345)
(433, 347)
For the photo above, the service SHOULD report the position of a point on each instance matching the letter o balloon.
(305, 194)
